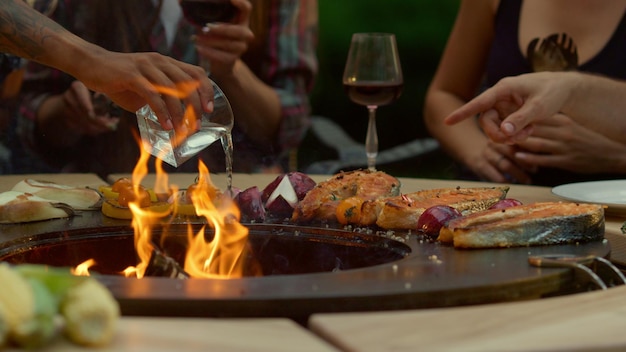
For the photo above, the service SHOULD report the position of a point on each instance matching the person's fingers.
(159, 89)
(232, 45)
(519, 123)
(505, 168)
(481, 103)
(156, 103)
(82, 97)
(490, 124)
(200, 98)
(161, 82)
(244, 8)
(512, 172)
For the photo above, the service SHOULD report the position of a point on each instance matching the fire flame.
(82, 269)
(221, 257)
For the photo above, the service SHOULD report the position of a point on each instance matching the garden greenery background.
(421, 28)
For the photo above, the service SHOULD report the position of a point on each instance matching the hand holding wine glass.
(373, 77)
(223, 31)
(204, 12)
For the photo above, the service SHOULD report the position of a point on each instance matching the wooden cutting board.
(202, 335)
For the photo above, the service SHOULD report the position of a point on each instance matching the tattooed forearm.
(25, 32)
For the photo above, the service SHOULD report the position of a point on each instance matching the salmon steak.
(403, 212)
(543, 223)
(321, 202)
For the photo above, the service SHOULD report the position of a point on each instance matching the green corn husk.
(40, 328)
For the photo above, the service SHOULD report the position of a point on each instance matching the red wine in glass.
(373, 93)
(201, 12)
(373, 77)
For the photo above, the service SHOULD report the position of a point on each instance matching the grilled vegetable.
(251, 205)
(4, 326)
(122, 192)
(90, 313)
(79, 198)
(29, 306)
(435, 217)
(349, 210)
(282, 195)
(506, 203)
(182, 203)
(40, 327)
(113, 209)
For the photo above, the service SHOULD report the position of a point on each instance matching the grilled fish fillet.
(542, 223)
(321, 202)
(403, 212)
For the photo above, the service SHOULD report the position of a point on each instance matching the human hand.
(529, 98)
(496, 163)
(80, 113)
(560, 142)
(222, 44)
(132, 80)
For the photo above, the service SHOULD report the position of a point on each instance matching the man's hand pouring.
(156, 80)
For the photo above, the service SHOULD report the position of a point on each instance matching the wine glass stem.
(371, 140)
(206, 65)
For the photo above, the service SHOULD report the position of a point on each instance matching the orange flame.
(82, 269)
(222, 257)
(143, 219)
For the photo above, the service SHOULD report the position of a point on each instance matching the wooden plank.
(198, 334)
(591, 321)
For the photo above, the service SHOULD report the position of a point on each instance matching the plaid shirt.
(289, 65)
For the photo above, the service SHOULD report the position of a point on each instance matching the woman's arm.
(457, 80)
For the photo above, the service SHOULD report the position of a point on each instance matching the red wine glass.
(201, 13)
(373, 77)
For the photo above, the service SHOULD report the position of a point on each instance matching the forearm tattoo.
(24, 31)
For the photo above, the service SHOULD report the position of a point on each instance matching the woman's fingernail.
(508, 128)
(210, 106)
(168, 124)
(207, 27)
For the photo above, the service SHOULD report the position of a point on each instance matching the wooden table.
(585, 322)
(203, 335)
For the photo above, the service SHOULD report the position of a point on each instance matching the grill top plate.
(424, 275)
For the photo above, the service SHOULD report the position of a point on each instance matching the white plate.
(610, 193)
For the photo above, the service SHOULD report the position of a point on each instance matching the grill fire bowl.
(306, 270)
